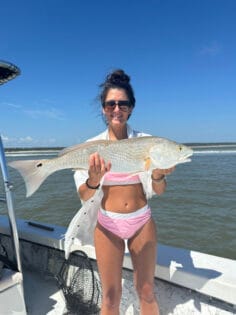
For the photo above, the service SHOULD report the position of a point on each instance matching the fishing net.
(8, 71)
(80, 287)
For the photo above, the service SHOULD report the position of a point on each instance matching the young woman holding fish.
(124, 213)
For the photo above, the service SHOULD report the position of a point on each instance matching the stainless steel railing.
(10, 208)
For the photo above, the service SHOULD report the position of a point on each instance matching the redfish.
(132, 155)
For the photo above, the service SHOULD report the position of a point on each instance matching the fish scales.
(124, 155)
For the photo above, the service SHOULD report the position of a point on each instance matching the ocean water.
(198, 210)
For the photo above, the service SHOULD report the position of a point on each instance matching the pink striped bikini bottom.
(124, 225)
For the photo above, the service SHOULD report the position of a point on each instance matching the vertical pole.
(10, 208)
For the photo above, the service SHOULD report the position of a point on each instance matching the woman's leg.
(109, 253)
(142, 248)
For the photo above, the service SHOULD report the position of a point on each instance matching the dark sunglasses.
(124, 106)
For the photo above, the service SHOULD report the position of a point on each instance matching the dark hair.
(120, 80)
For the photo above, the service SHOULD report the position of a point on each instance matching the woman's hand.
(158, 179)
(97, 169)
(158, 174)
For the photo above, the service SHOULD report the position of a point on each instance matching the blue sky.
(180, 55)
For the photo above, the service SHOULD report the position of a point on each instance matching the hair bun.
(118, 77)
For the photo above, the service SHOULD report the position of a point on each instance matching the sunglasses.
(124, 106)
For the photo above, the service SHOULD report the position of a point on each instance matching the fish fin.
(84, 145)
(69, 149)
(33, 173)
(147, 163)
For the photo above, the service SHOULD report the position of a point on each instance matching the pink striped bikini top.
(112, 179)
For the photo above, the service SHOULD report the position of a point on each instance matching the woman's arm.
(159, 181)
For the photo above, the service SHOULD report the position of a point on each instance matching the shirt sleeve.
(145, 178)
(80, 177)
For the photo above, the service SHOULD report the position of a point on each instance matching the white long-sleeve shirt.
(81, 228)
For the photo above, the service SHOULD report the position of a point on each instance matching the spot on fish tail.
(147, 163)
(39, 164)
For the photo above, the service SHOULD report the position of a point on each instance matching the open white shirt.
(81, 228)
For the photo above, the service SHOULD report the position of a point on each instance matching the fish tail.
(33, 172)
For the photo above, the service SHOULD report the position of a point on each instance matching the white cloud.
(5, 138)
(15, 141)
(27, 141)
(11, 105)
(211, 49)
(51, 113)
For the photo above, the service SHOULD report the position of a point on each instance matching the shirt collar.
(130, 132)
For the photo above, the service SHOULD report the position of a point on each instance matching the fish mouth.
(186, 158)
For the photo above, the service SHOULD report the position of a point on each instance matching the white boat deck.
(42, 295)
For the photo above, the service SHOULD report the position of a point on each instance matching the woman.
(124, 213)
